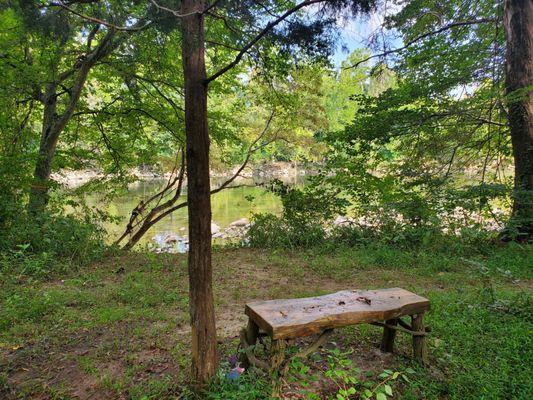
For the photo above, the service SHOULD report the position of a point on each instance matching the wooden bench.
(285, 320)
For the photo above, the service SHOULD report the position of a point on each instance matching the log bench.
(286, 320)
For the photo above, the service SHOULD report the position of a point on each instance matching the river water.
(227, 206)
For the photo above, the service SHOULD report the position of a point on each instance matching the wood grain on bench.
(293, 318)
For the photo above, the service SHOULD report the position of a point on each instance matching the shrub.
(51, 244)
(270, 231)
(302, 224)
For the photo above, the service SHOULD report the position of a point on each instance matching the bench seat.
(289, 319)
(294, 318)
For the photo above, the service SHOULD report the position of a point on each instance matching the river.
(227, 206)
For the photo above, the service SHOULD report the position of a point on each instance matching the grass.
(119, 329)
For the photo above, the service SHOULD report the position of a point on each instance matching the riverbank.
(119, 328)
(286, 171)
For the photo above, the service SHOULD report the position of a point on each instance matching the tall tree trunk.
(53, 125)
(518, 24)
(204, 352)
(47, 147)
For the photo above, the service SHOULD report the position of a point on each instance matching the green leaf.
(388, 390)
(381, 396)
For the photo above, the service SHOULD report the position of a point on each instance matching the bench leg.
(387, 342)
(251, 333)
(277, 356)
(420, 351)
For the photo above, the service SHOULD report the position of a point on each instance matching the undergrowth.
(51, 245)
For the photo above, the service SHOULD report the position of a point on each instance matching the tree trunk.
(47, 147)
(204, 352)
(53, 125)
(518, 24)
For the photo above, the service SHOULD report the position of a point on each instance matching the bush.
(270, 231)
(409, 224)
(302, 224)
(408, 221)
(411, 237)
(51, 244)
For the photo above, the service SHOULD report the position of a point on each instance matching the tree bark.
(518, 24)
(204, 352)
(53, 125)
(43, 165)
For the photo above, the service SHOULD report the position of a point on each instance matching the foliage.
(50, 246)
(305, 210)
(347, 84)
(407, 220)
(342, 379)
(249, 386)
(425, 154)
(347, 380)
(311, 204)
(271, 231)
(436, 138)
(130, 113)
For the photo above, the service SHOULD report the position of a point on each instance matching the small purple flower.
(233, 361)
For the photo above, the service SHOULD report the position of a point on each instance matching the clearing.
(119, 328)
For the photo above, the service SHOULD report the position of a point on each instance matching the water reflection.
(227, 206)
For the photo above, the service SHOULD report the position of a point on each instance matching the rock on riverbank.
(169, 242)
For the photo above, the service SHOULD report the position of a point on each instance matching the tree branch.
(423, 36)
(258, 37)
(173, 12)
(211, 6)
(159, 212)
(105, 47)
(91, 35)
(178, 15)
(97, 20)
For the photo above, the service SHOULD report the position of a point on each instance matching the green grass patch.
(131, 312)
